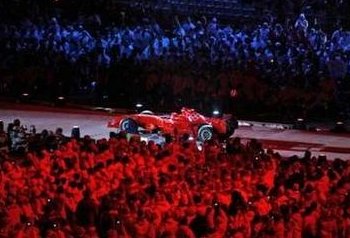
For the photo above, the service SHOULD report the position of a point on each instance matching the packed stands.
(66, 187)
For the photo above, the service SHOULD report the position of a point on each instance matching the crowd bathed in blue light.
(265, 42)
(89, 53)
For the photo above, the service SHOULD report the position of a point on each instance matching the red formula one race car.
(188, 121)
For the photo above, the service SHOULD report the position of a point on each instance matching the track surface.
(287, 142)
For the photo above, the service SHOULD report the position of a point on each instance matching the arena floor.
(287, 141)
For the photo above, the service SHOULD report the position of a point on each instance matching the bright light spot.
(216, 112)
(139, 105)
(300, 119)
(340, 123)
(60, 98)
(191, 138)
(25, 94)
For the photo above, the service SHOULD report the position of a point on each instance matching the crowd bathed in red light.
(66, 187)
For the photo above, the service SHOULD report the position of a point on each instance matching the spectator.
(86, 211)
(3, 139)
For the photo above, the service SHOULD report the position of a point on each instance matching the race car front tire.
(129, 125)
(205, 133)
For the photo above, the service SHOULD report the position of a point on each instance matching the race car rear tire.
(205, 133)
(129, 125)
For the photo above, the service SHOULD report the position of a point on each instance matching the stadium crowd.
(263, 42)
(55, 186)
(118, 187)
(271, 63)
